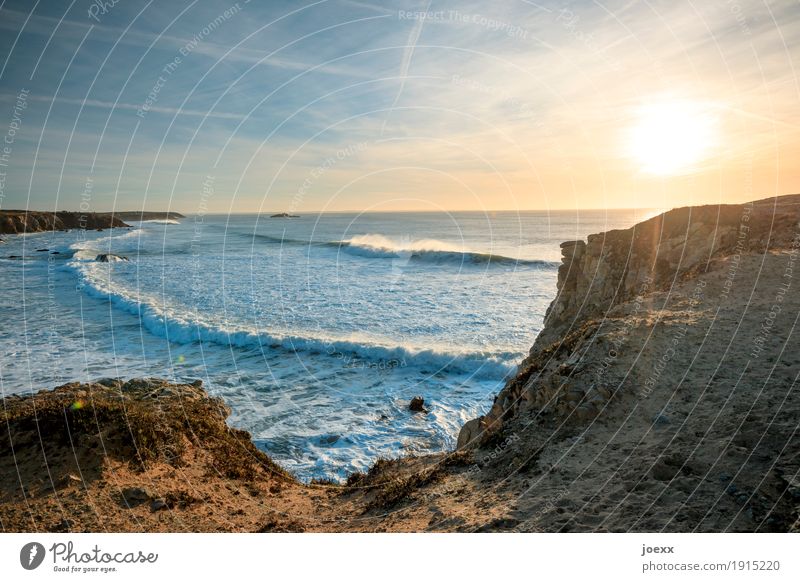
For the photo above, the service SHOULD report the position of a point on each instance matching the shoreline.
(30, 221)
(592, 434)
(24, 221)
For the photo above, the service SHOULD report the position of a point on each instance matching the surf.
(376, 246)
(178, 325)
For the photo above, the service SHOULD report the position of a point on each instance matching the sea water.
(316, 331)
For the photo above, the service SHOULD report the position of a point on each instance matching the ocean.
(316, 331)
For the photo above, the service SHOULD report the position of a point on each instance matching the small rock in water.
(417, 404)
(109, 258)
(329, 439)
(42, 250)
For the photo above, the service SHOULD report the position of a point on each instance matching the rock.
(157, 505)
(55, 253)
(197, 383)
(417, 404)
(135, 496)
(329, 439)
(469, 433)
(111, 382)
(42, 250)
(109, 258)
(284, 215)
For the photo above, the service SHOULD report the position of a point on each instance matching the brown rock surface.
(21, 221)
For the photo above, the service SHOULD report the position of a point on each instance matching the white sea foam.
(429, 250)
(156, 221)
(378, 246)
(178, 325)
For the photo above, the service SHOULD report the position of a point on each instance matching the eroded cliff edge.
(621, 268)
(22, 221)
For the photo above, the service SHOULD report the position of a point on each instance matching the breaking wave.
(376, 246)
(182, 327)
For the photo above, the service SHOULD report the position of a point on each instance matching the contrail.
(405, 64)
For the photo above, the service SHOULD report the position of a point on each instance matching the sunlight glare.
(672, 137)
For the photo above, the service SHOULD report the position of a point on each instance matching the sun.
(672, 137)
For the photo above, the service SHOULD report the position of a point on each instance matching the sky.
(343, 105)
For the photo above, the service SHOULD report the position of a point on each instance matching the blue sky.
(350, 105)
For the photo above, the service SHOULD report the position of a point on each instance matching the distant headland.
(22, 221)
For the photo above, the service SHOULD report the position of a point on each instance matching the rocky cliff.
(21, 221)
(622, 267)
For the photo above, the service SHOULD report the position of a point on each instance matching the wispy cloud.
(173, 111)
(538, 115)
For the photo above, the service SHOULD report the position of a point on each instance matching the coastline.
(597, 431)
(25, 221)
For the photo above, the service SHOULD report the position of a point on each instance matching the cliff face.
(620, 268)
(661, 394)
(21, 221)
(613, 267)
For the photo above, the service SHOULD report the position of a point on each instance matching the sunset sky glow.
(350, 105)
